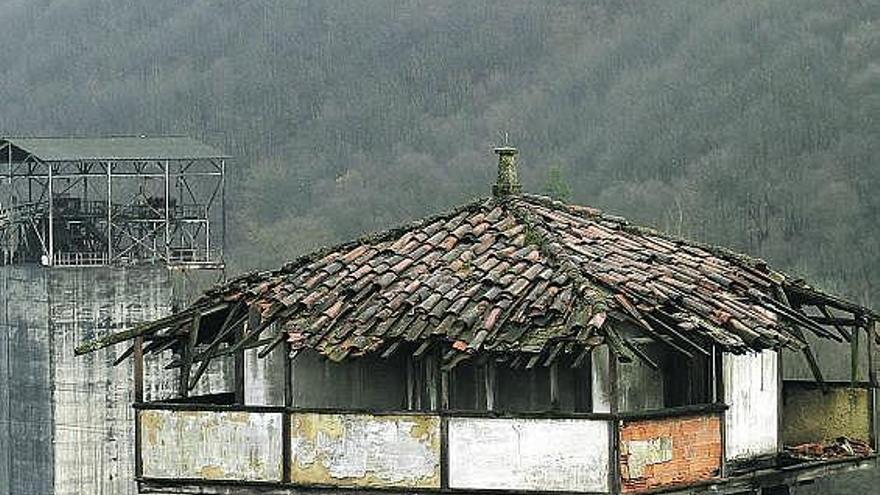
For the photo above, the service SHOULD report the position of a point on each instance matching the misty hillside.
(751, 124)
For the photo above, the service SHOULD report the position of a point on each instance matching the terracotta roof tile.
(518, 275)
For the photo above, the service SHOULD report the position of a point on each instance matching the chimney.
(507, 183)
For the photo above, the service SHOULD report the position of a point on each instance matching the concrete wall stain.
(70, 418)
(811, 416)
(361, 450)
(27, 455)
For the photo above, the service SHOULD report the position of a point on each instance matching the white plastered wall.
(751, 389)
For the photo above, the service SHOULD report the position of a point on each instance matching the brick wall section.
(662, 452)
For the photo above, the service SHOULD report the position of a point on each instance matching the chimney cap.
(505, 150)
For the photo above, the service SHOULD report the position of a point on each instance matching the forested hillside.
(752, 124)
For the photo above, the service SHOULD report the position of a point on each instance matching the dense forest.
(750, 124)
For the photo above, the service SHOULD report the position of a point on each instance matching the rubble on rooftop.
(839, 448)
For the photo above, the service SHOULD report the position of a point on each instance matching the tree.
(555, 184)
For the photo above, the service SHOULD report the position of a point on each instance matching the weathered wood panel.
(360, 450)
(751, 389)
(529, 454)
(809, 415)
(211, 445)
(657, 453)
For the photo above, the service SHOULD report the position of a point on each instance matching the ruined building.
(515, 344)
(96, 235)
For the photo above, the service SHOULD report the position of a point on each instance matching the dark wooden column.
(614, 407)
(138, 398)
(138, 369)
(188, 351)
(287, 417)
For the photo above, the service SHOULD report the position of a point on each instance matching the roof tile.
(517, 275)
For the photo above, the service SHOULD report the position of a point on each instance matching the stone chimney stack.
(508, 182)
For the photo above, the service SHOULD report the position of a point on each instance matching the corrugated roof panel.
(116, 148)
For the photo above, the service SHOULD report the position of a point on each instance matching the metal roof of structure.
(53, 149)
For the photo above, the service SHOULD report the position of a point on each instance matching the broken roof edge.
(203, 302)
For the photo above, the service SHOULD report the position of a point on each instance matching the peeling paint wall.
(808, 415)
(751, 389)
(529, 454)
(211, 445)
(359, 450)
(657, 453)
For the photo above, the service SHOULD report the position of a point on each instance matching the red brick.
(696, 451)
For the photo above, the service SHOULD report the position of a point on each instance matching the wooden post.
(870, 332)
(432, 365)
(811, 359)
(238, 373)
(613, 399)
(554, 386)
(489, 385)
(780, 398)
(253, 323)
(614, 433)
(444, 390)
(714, 373)
(287, 417)
(288, 375)
(872, 371)
(138, 398)
(584, 389)
(410, 383)
(139, 369)
(188, 351)
(718, 395)
(854, 357)
(444, 452)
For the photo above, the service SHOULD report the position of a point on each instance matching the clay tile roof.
(520, 276)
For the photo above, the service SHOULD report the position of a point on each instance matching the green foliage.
(555, 184)
(748, 124)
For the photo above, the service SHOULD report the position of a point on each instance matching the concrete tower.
(96, 235)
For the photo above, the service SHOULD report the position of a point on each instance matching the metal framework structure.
(112, 201)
